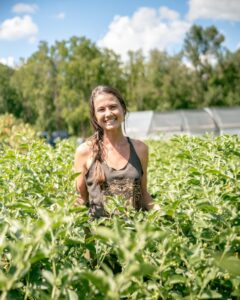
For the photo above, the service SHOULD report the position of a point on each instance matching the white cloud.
(205, 59)
(208, 58)
(24, 8)
(214, 9)
(61, 16)
(187, 63)
(146, 29)
(17, 28)
(9, 61)
(168, 14)
(238, 46)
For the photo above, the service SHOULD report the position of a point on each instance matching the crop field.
(190, 249)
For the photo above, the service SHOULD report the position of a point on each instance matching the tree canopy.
(51, 88)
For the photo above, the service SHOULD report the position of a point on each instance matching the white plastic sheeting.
(137, 124)
(158, 125)
(227, 119)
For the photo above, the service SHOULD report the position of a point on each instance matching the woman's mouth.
(110, 121)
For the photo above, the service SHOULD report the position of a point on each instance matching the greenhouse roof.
(149, 124)
(138, 124)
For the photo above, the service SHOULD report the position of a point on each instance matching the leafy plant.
(50, 249)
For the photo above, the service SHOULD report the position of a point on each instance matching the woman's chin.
(111, 127)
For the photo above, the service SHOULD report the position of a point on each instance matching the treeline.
(51, 89)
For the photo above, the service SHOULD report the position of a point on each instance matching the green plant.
(50, 249)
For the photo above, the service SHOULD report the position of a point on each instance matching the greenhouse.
(161, 125)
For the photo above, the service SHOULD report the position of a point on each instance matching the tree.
(9, 100)
(52, 88)
(167, 81)
(156, 68)
(135, 80)
(203, 47)
(81, 65)
(35, 83)
(224, 84)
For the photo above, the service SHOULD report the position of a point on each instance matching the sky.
(121, 25)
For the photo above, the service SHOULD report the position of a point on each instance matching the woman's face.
(108, 111)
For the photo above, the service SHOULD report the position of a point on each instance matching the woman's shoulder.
(140, 147)
(139, 144)
(84, 154)
(84, 150)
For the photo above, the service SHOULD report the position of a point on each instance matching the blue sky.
(120, 25)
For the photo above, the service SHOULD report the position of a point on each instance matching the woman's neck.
(114, 138)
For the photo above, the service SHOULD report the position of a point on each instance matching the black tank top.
(125, 182)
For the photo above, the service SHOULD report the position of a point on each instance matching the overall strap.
(134, 157)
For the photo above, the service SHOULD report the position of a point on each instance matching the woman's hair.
(97, 138)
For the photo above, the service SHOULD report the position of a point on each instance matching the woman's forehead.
(104, 98)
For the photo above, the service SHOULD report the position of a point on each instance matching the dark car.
(52, 138)
(58, 135)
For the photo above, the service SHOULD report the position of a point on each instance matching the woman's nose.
(108, 112)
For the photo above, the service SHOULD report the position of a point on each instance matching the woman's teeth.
(109, 122)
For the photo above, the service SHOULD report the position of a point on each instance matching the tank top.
(125, 182)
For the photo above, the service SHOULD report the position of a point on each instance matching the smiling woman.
(111, 164)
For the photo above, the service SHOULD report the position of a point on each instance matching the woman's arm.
(148, 202)
(142, 151)
(80, 162)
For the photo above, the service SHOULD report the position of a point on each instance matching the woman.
(109, 162)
